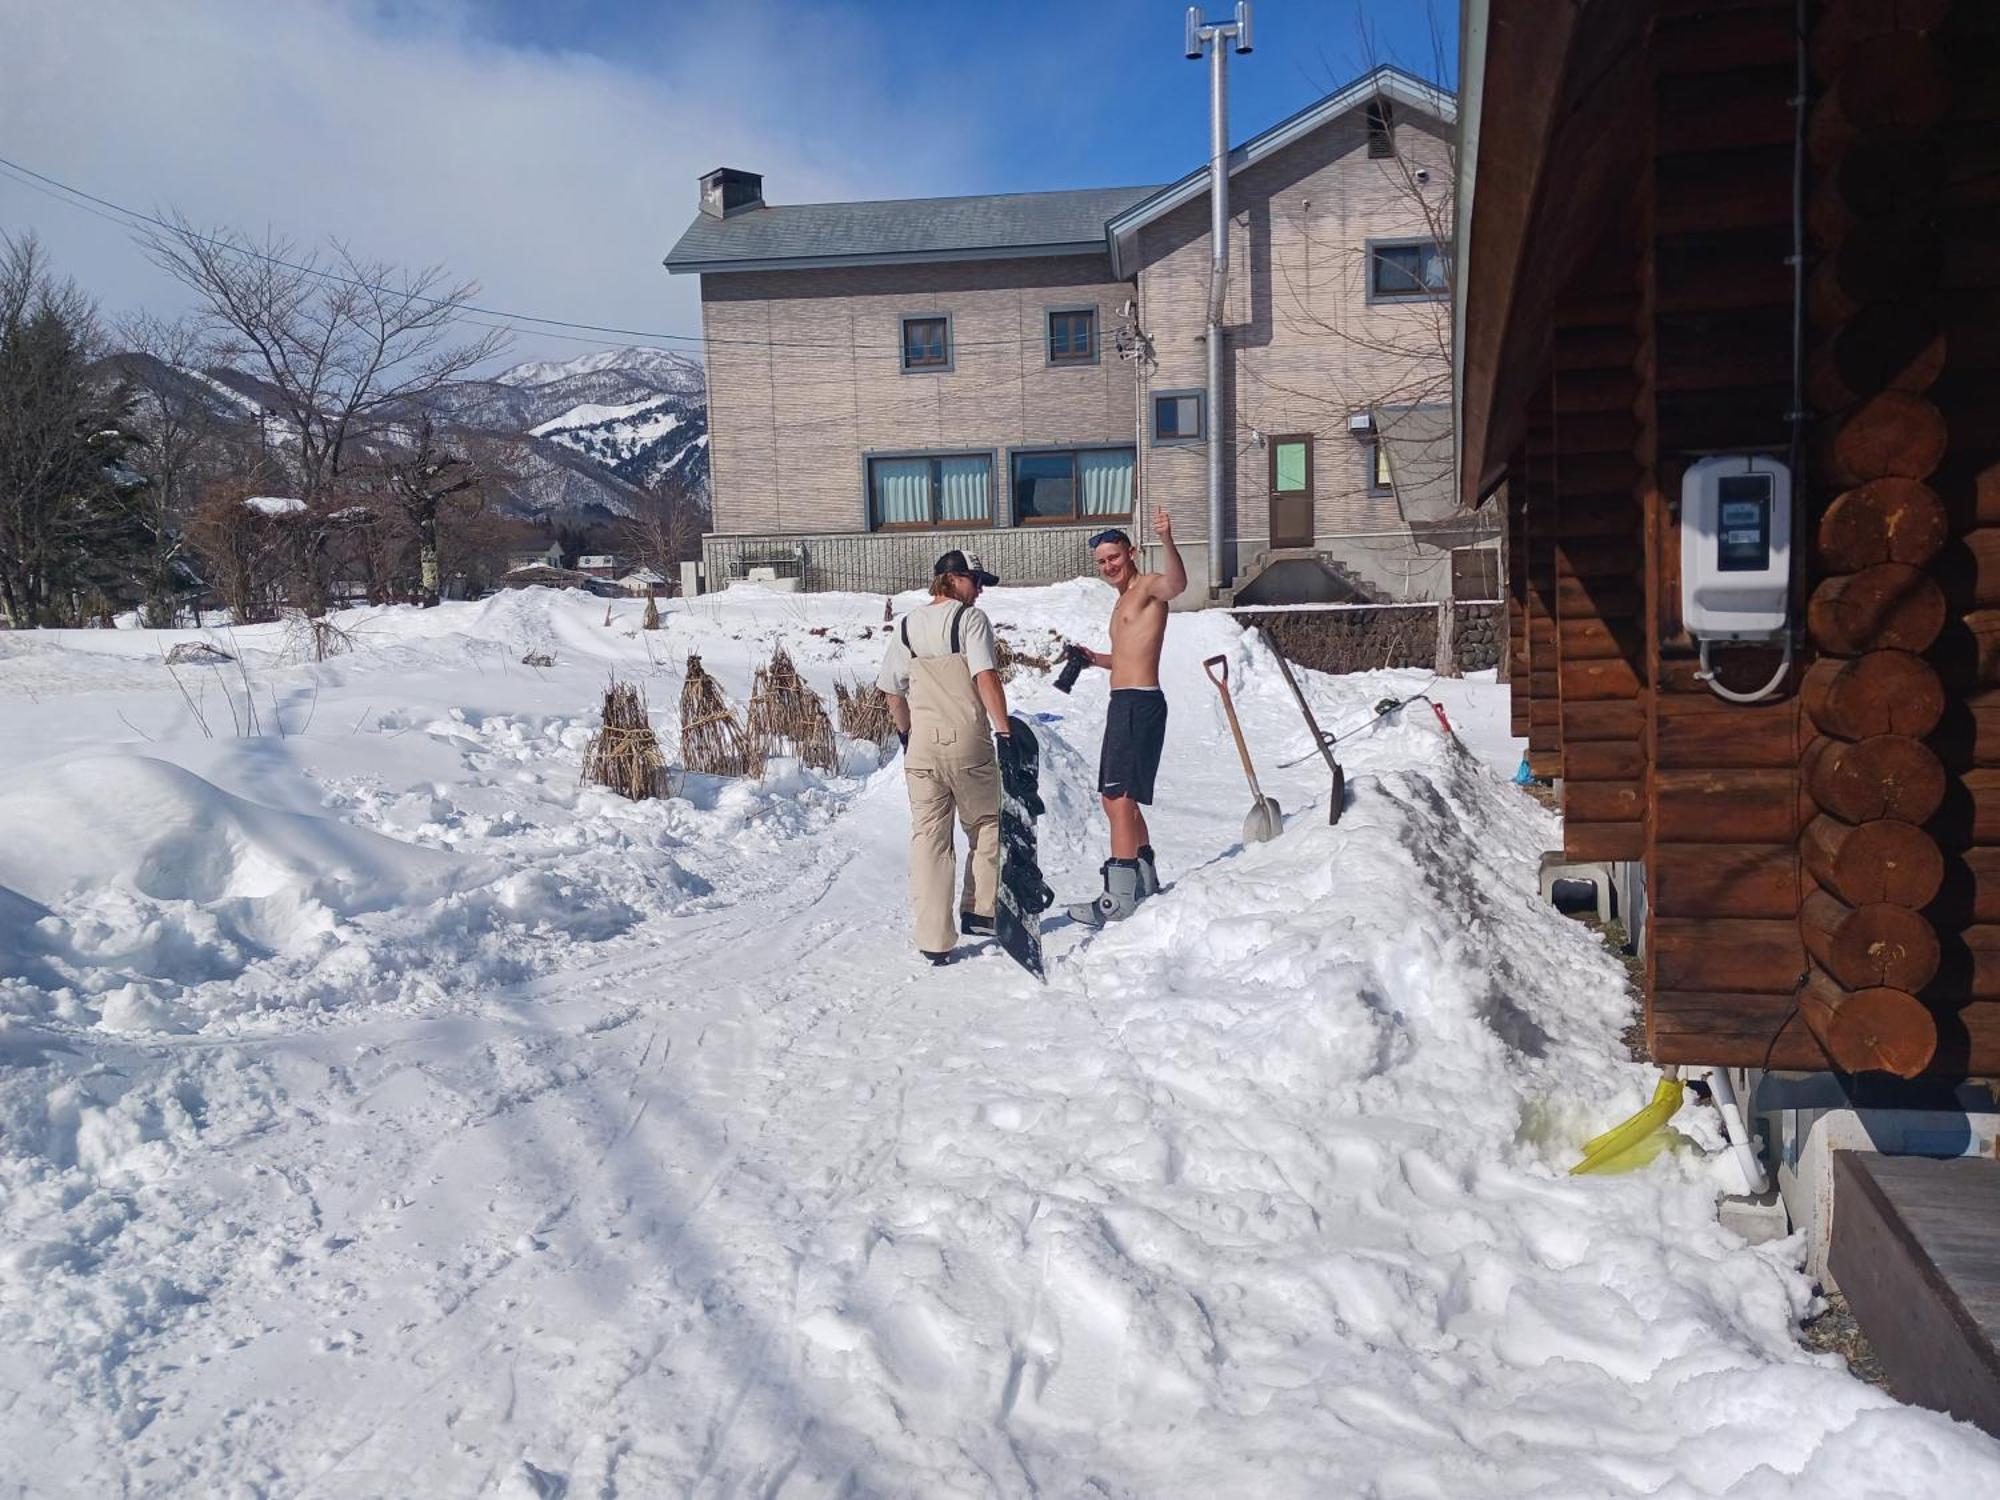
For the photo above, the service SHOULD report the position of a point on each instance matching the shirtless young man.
(1135, 725)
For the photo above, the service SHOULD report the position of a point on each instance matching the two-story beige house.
(1012, 373)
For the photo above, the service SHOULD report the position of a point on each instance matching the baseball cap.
(957, 565)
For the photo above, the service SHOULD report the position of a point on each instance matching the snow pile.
(488, 1133)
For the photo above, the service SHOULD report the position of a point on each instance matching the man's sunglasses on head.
(1113, 535)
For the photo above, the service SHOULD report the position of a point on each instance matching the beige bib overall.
(950, 771)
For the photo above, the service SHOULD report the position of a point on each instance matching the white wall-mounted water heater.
(1736, 557)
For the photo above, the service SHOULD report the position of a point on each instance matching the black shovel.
(1338, 795)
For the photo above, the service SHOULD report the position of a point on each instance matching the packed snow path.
(385, 1115)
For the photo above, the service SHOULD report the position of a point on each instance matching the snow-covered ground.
(383, 1113)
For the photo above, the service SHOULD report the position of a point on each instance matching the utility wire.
(135, 220)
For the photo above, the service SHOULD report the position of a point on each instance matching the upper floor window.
(1406, 271)
(927, 343)
(930, 490)
(1072, 335)
(1177, 417)
(1381, 128)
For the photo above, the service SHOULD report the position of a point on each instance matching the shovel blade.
(1264, 822)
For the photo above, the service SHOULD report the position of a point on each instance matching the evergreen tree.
(70, 528)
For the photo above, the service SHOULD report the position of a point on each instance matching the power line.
(133, 219)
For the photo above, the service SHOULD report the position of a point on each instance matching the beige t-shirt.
(930, 635)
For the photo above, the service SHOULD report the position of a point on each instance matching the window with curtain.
(1073, 336)
(1084, 484)
(926, 343)
(930, 491)
(1177, 417)
(1409, 271)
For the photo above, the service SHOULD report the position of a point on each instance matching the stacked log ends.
(1883, 776)
(1884, 692)
(1880, 346)
(1891, 519)
(1888, 607)
(1873, 862)
(1869, 1030)
(1863, 947)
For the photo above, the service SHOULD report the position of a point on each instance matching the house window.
(926, 491)
(1381, 128)
(927, 343)
(1406, 271)
(1177, 417)
(1073, 336)
(1379, 480)
(1076, 484)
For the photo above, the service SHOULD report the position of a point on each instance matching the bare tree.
(427, 483)
(665, 530)
(346, 346)
(189, 442)
(242, 549)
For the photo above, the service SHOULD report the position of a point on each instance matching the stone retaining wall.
(1368, 637)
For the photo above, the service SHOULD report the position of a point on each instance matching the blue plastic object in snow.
(1523, 776)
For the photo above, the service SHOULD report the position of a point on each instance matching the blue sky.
(1091, 93)
(548, 149)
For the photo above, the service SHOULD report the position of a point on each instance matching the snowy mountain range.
(585, 435)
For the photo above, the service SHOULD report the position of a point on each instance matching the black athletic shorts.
(1135, 731)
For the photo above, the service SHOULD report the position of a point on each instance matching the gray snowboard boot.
(1149, 877)
(1119, 900)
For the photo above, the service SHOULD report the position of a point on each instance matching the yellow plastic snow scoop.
(1626, 1147)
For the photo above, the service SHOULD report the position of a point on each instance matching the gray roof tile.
(916, 228)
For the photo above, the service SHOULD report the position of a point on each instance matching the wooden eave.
(1560, 116)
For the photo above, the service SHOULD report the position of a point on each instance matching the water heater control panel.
(1736, 564)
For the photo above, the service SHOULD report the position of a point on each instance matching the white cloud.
(557, 179)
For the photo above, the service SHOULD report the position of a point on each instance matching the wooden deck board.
(1916, 1248)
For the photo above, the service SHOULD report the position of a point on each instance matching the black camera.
(1075, 659)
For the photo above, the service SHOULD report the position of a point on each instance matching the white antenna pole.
(1202, 34)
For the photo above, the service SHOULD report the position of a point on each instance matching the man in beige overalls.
(942, 677)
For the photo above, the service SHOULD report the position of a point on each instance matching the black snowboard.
(1024, 895)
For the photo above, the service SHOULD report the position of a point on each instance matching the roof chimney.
(726, 191)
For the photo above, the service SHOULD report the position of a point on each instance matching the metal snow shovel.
(1338, 795)
(1264, 819)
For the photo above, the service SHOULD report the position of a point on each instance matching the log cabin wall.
(1876, 530)
(1824, 868)
(1724, 956)
(1513, 566)
(1942, 130)
(1602, 674)
(1539, 521)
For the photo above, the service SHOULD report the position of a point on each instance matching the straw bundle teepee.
(864, 712)
(712, 742)
(784, 712)
(624, 754)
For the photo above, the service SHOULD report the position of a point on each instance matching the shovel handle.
(1235, 729)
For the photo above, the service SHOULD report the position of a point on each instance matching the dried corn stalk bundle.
(712, 742)
(785, 712)
(864, 712)
(624, 754)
